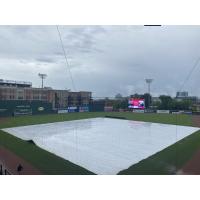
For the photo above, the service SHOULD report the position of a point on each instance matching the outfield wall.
(8, 108)
(11, 107)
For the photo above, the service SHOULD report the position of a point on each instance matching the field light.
(149, 81)
(42, 76)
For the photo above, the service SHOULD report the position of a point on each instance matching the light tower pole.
(42, 76)
(149, 81)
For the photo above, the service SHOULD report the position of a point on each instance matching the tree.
(166, 102)
(156, 104)
(136, 95)
(183, 105)
(120, 104)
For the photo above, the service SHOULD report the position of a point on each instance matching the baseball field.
(170, 160)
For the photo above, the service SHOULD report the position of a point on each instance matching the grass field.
(165, 162)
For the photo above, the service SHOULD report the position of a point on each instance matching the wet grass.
(169, 160)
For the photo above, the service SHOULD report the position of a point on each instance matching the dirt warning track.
(11, 162)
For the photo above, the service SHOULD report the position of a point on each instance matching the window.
(20, 97)
(36, 97)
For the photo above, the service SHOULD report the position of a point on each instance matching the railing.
(3, 170)
(15, 82)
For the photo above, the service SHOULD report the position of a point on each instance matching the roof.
(17, 83)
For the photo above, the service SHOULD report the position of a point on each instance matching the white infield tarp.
(103, 145)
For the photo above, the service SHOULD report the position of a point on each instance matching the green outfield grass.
(165, 162)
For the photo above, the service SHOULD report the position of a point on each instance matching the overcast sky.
(103, 59)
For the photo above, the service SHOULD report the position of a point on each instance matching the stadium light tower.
(149, 81)
(42, 76)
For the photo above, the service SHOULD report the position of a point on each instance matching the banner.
(72, 109)
(138, 111)
(62, 111)
(163, 111)
(149, 111)
(83, 109)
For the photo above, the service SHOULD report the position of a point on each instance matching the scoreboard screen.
(136, 103)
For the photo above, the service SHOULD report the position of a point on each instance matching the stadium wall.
(10, 107)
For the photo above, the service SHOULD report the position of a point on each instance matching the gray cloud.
(104, 59)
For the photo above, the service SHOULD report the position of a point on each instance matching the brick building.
(18, 90)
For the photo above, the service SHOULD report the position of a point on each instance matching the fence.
(3, 170)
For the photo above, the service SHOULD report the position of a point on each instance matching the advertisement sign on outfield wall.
(62, 111)
(149, 111)
(163, 111)
(83, 109)
(72, 109)
(138, 111)
(41, 108)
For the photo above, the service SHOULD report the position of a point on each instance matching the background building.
(180, 96)
(23, 91)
